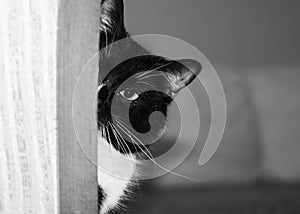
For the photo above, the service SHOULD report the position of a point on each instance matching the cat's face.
(133, 98)
(132, 89)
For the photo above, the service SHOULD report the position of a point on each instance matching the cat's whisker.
(108, 138)
(124, 142)
(157, 164)
(146, 83)
(116, 133)
(134, 142)
(113, 40)
(118, 140)
(153, 75)
(147, 72)
(120, 121)
(153, 66)
(149, 155)
(144, 73)
(109, 49)
(106, 41)
(129, 133)
(116, 116)
(115, 137)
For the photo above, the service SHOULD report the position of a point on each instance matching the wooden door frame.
(78, 27)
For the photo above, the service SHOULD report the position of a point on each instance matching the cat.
(130, 90)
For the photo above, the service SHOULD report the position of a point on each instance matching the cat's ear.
(112, 15)
(112, 20)
(182, 72)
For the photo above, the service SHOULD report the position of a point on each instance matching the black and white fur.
(124, 133)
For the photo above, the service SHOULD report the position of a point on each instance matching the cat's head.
(132, 89)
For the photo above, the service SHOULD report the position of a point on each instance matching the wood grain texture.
(28, 161)
(78, 23)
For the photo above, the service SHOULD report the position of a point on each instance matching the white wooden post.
(44, 45)
(78, 23)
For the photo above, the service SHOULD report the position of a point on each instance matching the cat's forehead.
(132, 68)
(122, 49)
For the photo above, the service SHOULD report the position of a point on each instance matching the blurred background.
(255, 48)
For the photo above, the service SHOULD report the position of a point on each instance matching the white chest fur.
(115, 173)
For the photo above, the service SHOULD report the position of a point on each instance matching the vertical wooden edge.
(78, 23)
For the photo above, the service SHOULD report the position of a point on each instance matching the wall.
(236, 33)
(253, 37)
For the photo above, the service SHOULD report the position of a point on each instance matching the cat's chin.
(116, 173)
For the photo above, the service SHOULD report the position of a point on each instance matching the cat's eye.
(129, 94)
